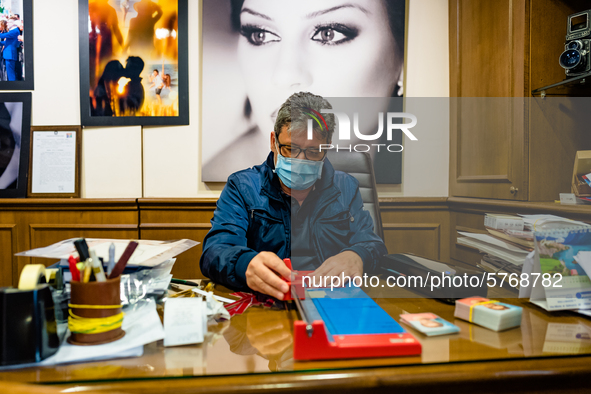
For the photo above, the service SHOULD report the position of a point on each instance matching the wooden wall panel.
(423, 226)
(41, 222)
(422, 239)
(8, 245)
(416, 225)
(164, 219)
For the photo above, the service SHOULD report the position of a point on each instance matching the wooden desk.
(253, 353)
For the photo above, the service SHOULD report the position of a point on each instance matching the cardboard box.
(582, 167)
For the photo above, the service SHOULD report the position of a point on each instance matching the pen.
(97, 267)
(73, 269)
(87, 271)
(183, 282)
(111, 259)
(120, 266)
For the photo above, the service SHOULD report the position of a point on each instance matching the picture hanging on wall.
(15, 124)
(16, 45)
(257, 53)
(133, 62)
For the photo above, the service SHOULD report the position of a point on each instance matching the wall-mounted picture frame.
(16, 45)
(15, 123)
(256, 54)
(55, 159)
(133, 62)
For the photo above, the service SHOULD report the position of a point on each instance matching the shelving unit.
(575, 87)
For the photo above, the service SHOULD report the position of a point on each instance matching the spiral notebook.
(562, 282)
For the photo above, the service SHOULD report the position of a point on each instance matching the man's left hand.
(346, 263)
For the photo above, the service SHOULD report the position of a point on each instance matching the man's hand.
(347, 263)
(262, 275)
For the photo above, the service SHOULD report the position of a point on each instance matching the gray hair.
(299, 108)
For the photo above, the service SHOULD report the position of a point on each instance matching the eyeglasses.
(314, 153)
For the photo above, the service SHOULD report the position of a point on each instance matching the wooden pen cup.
(86, 301)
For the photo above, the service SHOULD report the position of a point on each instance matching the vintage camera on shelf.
(576, 58)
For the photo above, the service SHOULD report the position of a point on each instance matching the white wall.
(164, 161)
(425, 169)
(111, 157)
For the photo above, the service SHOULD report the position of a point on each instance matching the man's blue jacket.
(252, 217)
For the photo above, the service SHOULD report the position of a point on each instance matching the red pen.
(73, 269)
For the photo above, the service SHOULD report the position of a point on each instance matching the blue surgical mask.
(298, 174)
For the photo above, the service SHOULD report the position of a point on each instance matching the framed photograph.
(16, 45)
(15, 123)
(258, 53)
(133, 62)
(54, 169)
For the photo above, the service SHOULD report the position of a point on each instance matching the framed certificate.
(55, 161)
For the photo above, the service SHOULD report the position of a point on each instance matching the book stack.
(494, 315)
(509, 240)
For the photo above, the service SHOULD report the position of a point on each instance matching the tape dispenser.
(28, 330)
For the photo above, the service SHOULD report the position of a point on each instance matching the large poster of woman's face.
(15, 122)
(256, 53)
(16, 51)
(135, 68)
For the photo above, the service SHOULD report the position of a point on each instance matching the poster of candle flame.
(133, 58)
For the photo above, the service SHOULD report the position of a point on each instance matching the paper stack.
(508, 242)
(495, 247)
(494, 315)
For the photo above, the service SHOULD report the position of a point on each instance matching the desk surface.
(254, 352)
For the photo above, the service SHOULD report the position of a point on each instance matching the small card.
(185, 321)
(429, 324)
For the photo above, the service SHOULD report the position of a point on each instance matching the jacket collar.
(270, 181)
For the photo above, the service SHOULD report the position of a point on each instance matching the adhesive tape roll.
(32, 275)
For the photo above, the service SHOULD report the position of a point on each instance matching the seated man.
(295, 205)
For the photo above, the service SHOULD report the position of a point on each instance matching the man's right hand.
(262, 275)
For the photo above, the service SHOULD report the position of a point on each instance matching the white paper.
(583, 258)
(222, 299)
(495, 242)
(586, 312)
(528, 266)
(54, 162)
(549, 222)
(148, 253)
(511, 257)
(185, 321)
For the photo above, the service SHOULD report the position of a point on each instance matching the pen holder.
(95, 312)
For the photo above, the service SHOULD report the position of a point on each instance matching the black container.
(28, 330)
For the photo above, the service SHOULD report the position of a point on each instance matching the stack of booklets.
(494, 315)
(510, 239)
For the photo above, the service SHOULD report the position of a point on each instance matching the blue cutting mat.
(349, 311)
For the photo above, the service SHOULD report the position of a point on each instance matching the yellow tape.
(31, 276)
(50, 274)
(94, 306)
(84, 325)
(479, 303)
